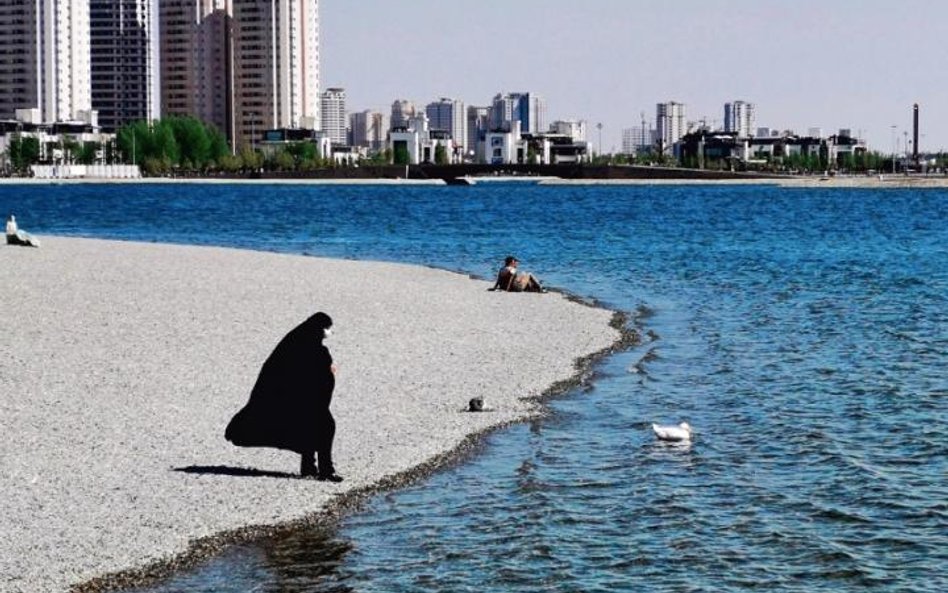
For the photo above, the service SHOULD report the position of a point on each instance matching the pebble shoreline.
(122, 362)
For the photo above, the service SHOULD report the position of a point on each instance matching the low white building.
(421, 144)
(86, 171)
(514, 148)
(563, 150)
(57, 144)
(504, 147)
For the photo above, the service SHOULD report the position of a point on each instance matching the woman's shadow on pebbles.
(237, 472)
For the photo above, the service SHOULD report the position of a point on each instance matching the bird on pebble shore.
(679, 433)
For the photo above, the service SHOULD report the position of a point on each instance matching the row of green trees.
(294, 156)
(172, 143)
(187, 145)
(866, 161)
(859, 162)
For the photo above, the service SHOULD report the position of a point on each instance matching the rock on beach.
(121, 363)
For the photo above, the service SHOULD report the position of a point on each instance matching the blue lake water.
(803, 333)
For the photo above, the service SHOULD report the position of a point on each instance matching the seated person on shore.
(511, 280)
(17, 237)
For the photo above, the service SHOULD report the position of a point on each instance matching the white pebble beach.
(121, 362)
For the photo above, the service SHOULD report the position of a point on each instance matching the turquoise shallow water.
(804, 334)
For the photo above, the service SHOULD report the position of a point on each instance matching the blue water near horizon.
(803, 332)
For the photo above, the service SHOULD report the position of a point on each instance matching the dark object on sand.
(476, 404)
(289, 404)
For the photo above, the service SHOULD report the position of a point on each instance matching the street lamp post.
(599, 127)
(894, 148)
(905, 150)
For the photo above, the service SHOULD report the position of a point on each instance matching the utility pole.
(645, 141)
(894, 148)
(915, 134)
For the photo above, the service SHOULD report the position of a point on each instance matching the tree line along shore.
(187, 147)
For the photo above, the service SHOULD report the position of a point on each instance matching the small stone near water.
(476, 404)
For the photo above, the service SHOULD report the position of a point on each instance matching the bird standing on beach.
(675, 434)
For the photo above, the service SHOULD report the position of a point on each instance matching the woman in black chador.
(289, 404)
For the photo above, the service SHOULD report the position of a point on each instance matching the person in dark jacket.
(289, 404)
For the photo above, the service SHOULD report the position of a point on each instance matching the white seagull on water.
(677, 434)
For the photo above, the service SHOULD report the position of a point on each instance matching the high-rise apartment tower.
(368, 128)
(44, 59)
(333, 114)
(739, 117)
(669, 125)
(196, 67)
(276, 66)
(527, 108)
(478, 124)
(124, 60)
(448, 115)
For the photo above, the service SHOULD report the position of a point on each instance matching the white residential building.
(333, 118)
(448, 115)
(49, 67)
(504, 147)
(421, 143)
(669, 124)
(740, 117)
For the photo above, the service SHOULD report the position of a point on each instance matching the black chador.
(289, 404)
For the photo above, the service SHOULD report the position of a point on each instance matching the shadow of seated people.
(239, 472)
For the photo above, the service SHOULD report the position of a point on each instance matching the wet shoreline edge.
(200, 550)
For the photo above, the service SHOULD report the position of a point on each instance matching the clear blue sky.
(856, 64)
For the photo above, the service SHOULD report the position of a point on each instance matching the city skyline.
(857, 65)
